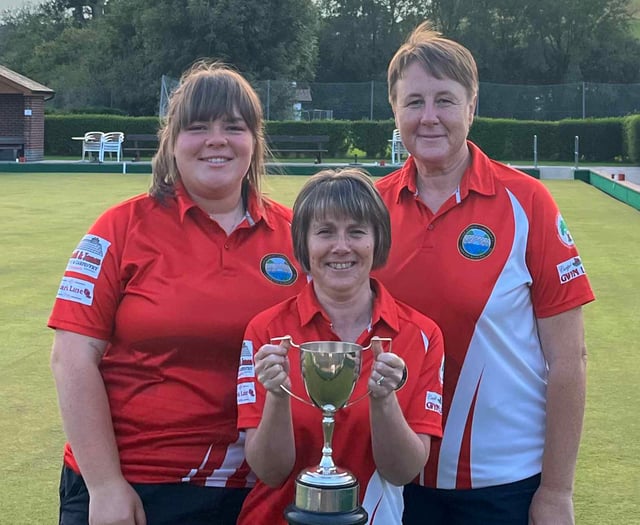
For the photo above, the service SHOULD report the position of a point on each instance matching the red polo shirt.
(172, 294)
(496, 256)
(415, 338)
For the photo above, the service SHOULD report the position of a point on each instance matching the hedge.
(600, 140)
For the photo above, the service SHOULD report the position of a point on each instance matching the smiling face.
(213, 157)
(434, 116)
(341, 252)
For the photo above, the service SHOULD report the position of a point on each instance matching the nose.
(429, 114)
(216, 136)
(342, 243)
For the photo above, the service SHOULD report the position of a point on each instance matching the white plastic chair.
(92, 143)
(397, 148)
(112, 143)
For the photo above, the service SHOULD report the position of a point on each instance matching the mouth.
(341, 265)
(216, 160)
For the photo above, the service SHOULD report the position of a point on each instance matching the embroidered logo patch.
(246, 368)
(246, 393)
(277, 268)
(433, 402)
(569, 270)
(88, 256)
(476, 242)
(563, 231)
(76, 290)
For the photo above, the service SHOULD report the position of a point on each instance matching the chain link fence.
(284, 100)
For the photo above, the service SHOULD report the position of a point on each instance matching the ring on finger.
(380, 380)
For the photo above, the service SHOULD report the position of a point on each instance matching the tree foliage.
(112, 53)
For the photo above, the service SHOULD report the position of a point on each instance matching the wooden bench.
(140, 143)
(13, 144)
(299, 144)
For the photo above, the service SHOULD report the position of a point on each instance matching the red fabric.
(172, 294)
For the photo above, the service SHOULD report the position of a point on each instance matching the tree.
(358, 37)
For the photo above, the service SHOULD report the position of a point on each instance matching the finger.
(376, 347)
(285, 344)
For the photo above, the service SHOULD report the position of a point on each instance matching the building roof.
(15, 83)
(303, 95)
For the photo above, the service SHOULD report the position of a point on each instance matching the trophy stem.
(326, 463)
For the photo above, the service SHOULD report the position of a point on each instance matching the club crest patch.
(476, 242)
(278, 269)
(563, 232)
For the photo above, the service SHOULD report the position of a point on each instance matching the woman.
(150, 314)
(340, 232)
(484, 251)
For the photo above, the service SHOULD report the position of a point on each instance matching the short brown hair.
(439, 56)
(345, 193)
(208, 91)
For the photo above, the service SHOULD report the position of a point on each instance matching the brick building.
(21, 116)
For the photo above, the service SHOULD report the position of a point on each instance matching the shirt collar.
(255, 212)
(384, 307)
(478, 177)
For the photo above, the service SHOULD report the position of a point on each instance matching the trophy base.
(316, 492)
(297, 516)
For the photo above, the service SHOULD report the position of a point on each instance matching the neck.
(436, 185)
(350, 315)
(227, 216)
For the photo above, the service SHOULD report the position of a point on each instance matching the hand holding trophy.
(330, 371)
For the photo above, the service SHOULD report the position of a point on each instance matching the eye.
(196, 126)
(416, 103)
(236, 128)
(444, 102)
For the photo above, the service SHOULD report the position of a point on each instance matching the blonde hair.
(439, 56)
(208, 91)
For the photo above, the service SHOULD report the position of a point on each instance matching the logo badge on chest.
(278, 269)
(476, 242)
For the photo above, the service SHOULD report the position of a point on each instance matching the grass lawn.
(42, 217)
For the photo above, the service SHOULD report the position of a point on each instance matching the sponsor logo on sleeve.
(88, 256)
(76, 290)
(433, 402)
(246, 368)
(563, 232)
(278, 269)
(246, 393)
(569, 270)
(476, 242)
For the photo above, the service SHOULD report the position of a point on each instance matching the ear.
(472, 108)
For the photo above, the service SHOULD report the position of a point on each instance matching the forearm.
(398, 451)
(565, 410)
(270, 448)
(86, 418)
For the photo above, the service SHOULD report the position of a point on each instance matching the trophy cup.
(326, 493)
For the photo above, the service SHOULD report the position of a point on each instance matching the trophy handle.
(374, 338)
(278, 340)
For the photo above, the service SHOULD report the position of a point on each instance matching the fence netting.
(285, 100)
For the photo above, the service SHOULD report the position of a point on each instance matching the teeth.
(217, 160)
(340, 266)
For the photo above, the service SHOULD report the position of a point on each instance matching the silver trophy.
(330, 370)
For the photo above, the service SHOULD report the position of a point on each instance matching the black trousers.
(500, 505)
(164, 503)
